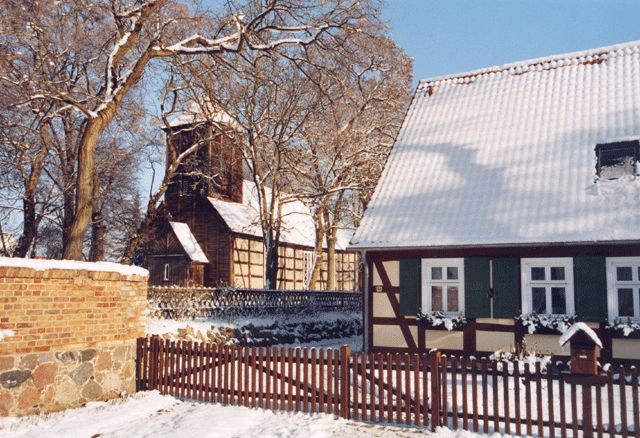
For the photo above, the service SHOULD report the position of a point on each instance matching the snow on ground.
(153, 415)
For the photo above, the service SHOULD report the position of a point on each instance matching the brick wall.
(74, 327)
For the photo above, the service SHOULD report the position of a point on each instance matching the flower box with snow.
(624, 328)
(441, 321)
(545, 324)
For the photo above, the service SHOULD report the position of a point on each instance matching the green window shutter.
(506, 287)
(590, 287)
(476, 287)
(410, 287)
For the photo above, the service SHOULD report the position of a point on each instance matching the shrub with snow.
(551, 324)
(439, 320)
(626, 327)
(511, 359)
(260, 332)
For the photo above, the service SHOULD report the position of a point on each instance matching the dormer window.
(617, 159)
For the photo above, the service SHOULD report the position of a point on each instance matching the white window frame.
(527, 284)
(613, 285)
(427, 282)
(165, 272)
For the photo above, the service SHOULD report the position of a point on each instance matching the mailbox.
(585, 349)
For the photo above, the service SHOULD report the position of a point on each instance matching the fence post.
(345, 357)
(587, 421)
(139, 364)
(153, 362)
(435, 389)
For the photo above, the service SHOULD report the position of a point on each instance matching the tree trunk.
(331, 258)
(98, 227)
(98, 235)
(84, 187)
(67, 216)
(29, 226)
(317, 261)
(142, 233)
(271, 261)
(87, 153)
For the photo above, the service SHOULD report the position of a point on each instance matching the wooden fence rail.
(414, 389)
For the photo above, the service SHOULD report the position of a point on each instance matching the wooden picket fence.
(412, 389)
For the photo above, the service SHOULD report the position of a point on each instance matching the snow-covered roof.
(193, 114)
(43, 265)
(505, 155)
(579, 327)
(297, 220)
(188, 242)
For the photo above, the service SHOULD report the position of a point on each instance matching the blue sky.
(450, 36)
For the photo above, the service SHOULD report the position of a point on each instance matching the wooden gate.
(482, 395)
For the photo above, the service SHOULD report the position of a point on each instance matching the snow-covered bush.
(510, 359)
(549, 324)
(278, 332)
(624, 327)
(438, 320)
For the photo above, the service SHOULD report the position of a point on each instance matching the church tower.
(213, 170)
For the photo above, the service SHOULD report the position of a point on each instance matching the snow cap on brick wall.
(43, 265)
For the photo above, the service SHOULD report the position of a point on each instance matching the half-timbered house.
(509, 207)
(211, 235)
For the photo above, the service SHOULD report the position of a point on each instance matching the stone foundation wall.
(46, 382)
(69, 333)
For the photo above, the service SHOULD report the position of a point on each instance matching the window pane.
(624, 273)
(625, 302)
(436, 273)
(617, 159)
(436, 298)
(557, 273)
(537, 273)
(452, 299)
(539, 300)
(452, 273)
(558, 300)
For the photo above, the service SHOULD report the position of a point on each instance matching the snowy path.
(153, 415)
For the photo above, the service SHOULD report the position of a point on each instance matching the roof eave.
(357, 247)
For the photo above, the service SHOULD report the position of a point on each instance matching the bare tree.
(364, 93)
(319, 120)
(265, 100)
(112, 43)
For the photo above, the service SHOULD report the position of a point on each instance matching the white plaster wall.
(444, 340)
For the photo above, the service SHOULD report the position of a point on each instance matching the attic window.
(617, 159)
